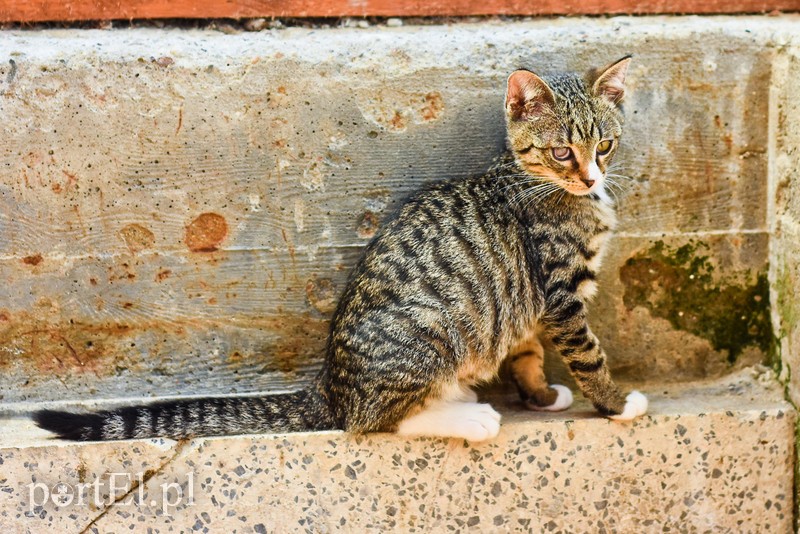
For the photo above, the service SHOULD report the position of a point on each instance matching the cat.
(468, 273)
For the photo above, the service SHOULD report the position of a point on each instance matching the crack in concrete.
(180, 448)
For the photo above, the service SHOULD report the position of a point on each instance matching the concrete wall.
(785, 216)
(179, 209)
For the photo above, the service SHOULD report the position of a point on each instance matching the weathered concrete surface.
(711, 457)
(179, 209)
(29, 459)
(784, 220)
(785, 215)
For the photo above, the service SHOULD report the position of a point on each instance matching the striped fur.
(464, 275)
(202, 417)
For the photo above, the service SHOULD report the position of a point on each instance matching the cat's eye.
(562, 153)
(604, 147)
(525, 150)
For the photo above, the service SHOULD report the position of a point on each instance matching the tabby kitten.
(468, 273)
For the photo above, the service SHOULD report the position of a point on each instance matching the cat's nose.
(592, 175)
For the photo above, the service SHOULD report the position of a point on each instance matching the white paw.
(480, 425)
(452, 419)
(635, 405)
(563, 401)
(487, 410)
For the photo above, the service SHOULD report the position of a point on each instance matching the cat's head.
(565, 129)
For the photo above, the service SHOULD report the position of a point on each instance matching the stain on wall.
(679, 285)
(137, 237)
(206, 232)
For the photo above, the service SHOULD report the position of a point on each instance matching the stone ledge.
(710, 456)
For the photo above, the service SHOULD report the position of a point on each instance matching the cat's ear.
(528, 96)
(609, 82)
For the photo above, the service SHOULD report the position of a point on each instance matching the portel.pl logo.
(119, 489)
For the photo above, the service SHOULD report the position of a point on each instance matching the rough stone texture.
(180, 209)
(711, 457)
(785, 218)
(28, 458)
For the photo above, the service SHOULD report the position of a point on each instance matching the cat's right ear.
(609, 82)
(527, 96)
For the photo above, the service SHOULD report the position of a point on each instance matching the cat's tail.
(213, 416)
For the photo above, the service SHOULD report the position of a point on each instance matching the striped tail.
(214, 416)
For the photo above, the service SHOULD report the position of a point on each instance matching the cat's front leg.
(526, 364)
(565, 323)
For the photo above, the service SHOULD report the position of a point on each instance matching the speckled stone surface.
(785, 215)
(28, 458)
(713, 457)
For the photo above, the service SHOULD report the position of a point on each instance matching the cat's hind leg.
(527, 371)
(455, 414)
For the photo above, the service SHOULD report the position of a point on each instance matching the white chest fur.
(597, 247)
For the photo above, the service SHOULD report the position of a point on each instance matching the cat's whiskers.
(616, 169)
(618, 185)
(507, 165)
(612, 188)
(537, 180)
(612, 182)
(532, 192)
(531, 196)
(620, 176)
(539, 194)
(525, 178)
(540, 182)
(522, 183)
(561, 196)
(616, 164)
(528, 179)
(622, 186)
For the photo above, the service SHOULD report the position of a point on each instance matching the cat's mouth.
(582, 188)
(587, 181)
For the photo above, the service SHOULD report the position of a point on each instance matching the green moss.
(788, 308)
(678, 285)
(787, 305)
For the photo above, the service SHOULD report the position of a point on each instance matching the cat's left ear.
(609, 82)
(528, 97)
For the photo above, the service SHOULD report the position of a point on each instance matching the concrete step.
(712, 456)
